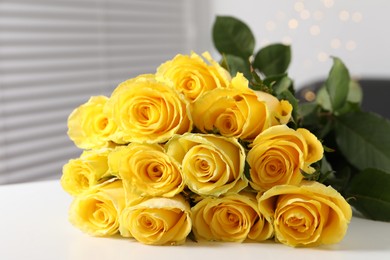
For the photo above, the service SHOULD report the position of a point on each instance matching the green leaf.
(308, 115)
(322, 171)
(273, 59)
(325, 128)
(232, 36)
(237, 64)
(340, 178)
(364, 140)
(369, 193)
(282, 85)
(307, 109)
(326, 170)
(355, 93)
(354, 98)
(273, 79)
(337, 84)
(323, 99)
(349, 108)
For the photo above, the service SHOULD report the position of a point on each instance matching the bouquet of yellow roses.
(202, 150)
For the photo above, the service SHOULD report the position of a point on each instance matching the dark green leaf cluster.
(357, 162)
(266, 69)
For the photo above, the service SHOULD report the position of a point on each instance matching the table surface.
(34, 225)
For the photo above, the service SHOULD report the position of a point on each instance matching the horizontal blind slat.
(29, 147)
(42, 164)
(75, 64)
(89, 4)
(47, 91)
(36, 132)
(39, 105)
(63, 52)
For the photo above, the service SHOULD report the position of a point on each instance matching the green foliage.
(359, 162)
(236, 64)
(234, 37)
(363, 138)
(337, 84)
(352, 102)
(283, 84)
(369, 193)
(273, 59)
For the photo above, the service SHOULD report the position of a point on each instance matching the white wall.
(357, 31)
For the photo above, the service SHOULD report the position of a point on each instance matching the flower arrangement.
(205, 150)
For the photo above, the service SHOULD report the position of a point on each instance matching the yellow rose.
(315, 150)
(90, 169)
(89, 127)
(280, 111)
(231, 218)
(97, 211)
(146, 170)
(211, 165)
(147, 111)
(232, 112)
(308, 215)
(157, 221)
(192, 76)
(279, 154)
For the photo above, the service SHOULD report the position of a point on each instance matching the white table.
(34, 225)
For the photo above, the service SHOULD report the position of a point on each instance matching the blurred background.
(55, 54)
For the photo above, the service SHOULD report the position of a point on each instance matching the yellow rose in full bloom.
(147, 170)
(192, 76)
(233, 112)
(157, 221)
(231, 218)
(211, 165)
(89, 127)
(279, 154)
(307, 215)
(280, 111)
(90, 169)
(146, 110)
(97, 210)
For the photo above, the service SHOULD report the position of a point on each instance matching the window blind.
(55, 54)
